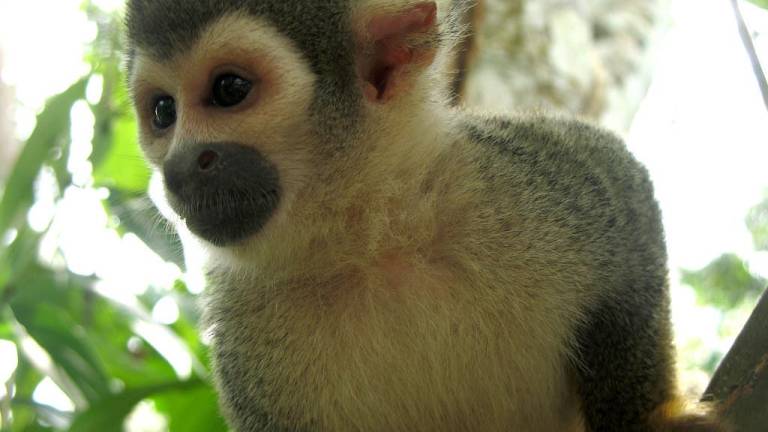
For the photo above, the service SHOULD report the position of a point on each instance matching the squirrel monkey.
(381, 261)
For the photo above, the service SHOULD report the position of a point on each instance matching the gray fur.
(580, 179)
(168, 28)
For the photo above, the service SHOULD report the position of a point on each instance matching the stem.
(5, 407)
(6, 294)
(751, 52)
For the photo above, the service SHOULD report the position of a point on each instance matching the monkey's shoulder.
(557, 156)
(538, 137)
(562, 175)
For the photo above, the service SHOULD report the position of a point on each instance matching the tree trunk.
(585, 57)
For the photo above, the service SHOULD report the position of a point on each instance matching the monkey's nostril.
(207, 160)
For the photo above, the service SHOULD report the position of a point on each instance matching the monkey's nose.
(207, 160)
(188, 172)
(224, 191)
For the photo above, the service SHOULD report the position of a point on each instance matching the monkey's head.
(245, 104)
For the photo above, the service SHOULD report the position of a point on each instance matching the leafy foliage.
(728, 284)
(725, 282)
(102, 350)
(762, 3)
(40, 148)
(757, 222)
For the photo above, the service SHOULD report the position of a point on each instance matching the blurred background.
(99, 321)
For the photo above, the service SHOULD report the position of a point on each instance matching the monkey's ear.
(396, 45)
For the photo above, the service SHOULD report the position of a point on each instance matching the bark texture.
(587, 57)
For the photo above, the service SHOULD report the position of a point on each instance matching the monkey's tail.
(681, 417)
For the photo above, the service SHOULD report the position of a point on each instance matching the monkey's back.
(579, 211)
(573, 190)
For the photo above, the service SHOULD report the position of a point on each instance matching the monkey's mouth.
(228, 217)
(224, 192)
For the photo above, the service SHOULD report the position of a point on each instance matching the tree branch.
(740, 384)
(5, 406)
(746, 39)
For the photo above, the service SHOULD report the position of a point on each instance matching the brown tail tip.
(677, 416)
(692, 423)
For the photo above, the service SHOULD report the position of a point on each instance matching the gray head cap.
(321, 29)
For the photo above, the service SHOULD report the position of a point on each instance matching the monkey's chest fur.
(399, 348)
(448, 314)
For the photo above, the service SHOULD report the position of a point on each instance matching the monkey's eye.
(229, 90)
(165, 112)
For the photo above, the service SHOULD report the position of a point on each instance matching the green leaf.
(17, 258)
(26, 381)
(68, 346)
(762, 3)
(107, 111)
(26, 378)
(52, 128)
(123, 166)
(757, 222)
(97, 328)
(34, 411)
(116, 156)
(195, 410)
(109, 413)
(6, 332)
(725, 282)
(110, 331)
(44, 306)
(141, 217)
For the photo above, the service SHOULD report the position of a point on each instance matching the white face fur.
(271, 119)
(274, 118)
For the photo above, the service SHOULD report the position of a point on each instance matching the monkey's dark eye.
(165, 112)
(229, 90)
